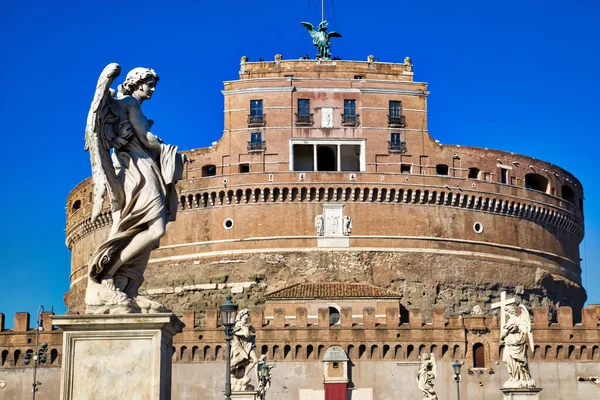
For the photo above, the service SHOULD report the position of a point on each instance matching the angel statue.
(515, 334)
(139, 180)
(321, 39)
(243, 354)
(426, 375)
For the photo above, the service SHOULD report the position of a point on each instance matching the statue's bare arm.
(141, 125)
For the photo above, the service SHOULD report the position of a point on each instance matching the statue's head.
(424, 356)
(511, 310)
(323, 26)
(242, 315)
(140, 83)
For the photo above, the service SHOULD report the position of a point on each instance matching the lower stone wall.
(370, 380)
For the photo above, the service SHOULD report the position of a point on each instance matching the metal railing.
(350, 120)
(304, 120)
(397, 121)
(397, 146)
(257, 120)
(257, 146)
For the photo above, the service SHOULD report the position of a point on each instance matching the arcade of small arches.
(15, 358)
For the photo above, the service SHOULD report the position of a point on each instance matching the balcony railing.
(399, 147)
(397, 121)
(304, 120)
(257, 120)
(350, 120)
(257, 146)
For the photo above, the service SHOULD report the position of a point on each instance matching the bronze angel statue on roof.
(139, 179)
(321, 39)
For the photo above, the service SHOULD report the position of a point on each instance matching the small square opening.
(244, 168)
(405, 168)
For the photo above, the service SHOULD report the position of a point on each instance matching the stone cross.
(502, 305)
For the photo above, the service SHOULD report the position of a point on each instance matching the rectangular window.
(395, 138)
(303, 107)
(349, 108)
(244, 168)
(503, 175)
(256, 108)
(256, 137)
(405, 168)
(395, 109)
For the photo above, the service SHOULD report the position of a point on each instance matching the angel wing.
(525, 324)
(99, 136)
(334, 34)
(310, 28)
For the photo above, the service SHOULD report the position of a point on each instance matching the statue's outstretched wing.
(525, 324)
(310, 28)
(334, 34)
(99, 136)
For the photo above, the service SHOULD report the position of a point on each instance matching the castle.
(329, 211)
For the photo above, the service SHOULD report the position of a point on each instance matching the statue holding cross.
(515, 333)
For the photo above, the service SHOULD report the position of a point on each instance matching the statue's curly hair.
(136, 78)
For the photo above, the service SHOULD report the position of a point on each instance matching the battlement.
(453, 337)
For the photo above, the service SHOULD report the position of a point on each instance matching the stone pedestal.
(521, 394)
(246, 395)
(117, 356)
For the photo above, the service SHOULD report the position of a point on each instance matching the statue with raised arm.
(243, 354)
(426, 375)
(516, 334)
(139, 180)
(321, 39)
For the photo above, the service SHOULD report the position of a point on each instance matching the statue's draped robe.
(149, 181)
(241, 345)
(515, 356)
(425, 378)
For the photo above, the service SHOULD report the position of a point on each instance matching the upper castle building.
(326, 172)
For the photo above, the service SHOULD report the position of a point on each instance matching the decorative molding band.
(266, 89)
(398, 92)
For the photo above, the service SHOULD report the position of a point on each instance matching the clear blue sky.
(510, 75)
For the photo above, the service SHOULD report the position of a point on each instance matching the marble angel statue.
(243, 353)
(426, 375)
(516, 334)
(139, 180)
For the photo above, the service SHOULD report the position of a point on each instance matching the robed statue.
(321, 39)
(243, 353)
(139, 180)
(426, 375)
(516, 334)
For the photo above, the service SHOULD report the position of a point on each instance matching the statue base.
(245, 395)
(521, 393)
(117, 356)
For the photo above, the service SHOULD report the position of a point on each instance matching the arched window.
(441, 169)
(209, 170)
(478, 356)
(334, 316)
(76, 205)
(568, 194)
(536, 182)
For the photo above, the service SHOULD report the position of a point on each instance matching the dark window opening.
(536, 182)
(244, 168)
(334, 316)
(350, 108)
(326, 159)
(405, 168)
(395, 109)
(76, 205)
(473, 173)
(568, 194)
(256, 137)
(303, 107)
(336, 364)
(304, 157)
(350, 158)
(503, 175)
(256, 142)
(359, 77)
(209, 170)
(478, 356)
(256, 108)
(396, 143)
(441, 169)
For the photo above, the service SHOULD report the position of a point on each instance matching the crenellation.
(323, 317)
(2, 320)
(346, 317)
(540, 317)
(415, 318)
(565, 317)
(369, 317)
(589, 317)
(22, 322)
(438, 317)
(278, 318)
(392, 317)
(301, 317)
(189, 319)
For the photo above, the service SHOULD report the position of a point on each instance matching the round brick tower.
(326, 173)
